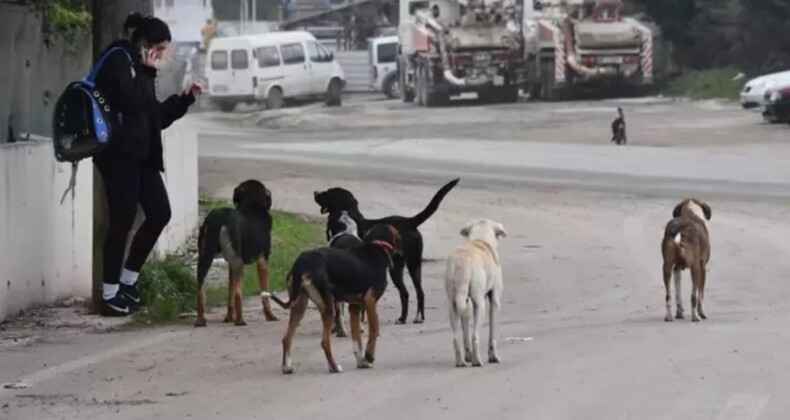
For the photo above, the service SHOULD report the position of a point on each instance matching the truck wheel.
(433, 97)
(392, 86)
(334, 93)
(226, 106)
(274, 100)
(508, 94)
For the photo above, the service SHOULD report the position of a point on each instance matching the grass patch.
(707, 84)
(168, 285)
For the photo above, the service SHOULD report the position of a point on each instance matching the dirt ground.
(582, 330)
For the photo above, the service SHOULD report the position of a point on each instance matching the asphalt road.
(582, 334)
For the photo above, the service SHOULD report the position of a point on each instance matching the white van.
(271, 68)
(383, 57)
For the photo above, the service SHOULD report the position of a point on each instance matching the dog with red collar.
(356, 276)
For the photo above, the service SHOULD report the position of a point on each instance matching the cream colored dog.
(474, 273)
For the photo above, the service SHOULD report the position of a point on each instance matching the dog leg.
(493, 323)
(478, 307)
(415, 272)
(229, 314)
(263, 279)
(237, 278)
(297, 313)
(467, 334)
(200, 321)
(701, 292)
(373, 325)
(678, 295)
(396, 273)
(695, 284)
(667, 296)
(458, 340)
(326, 340)
(339, 328)
(356, 336)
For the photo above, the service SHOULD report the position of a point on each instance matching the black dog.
(618, 129)
(242, 235)
(357, 276)
(335, 200)
(344, 235)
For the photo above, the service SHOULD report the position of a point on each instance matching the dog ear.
(706, 209)
(676, 211)
(268, 199)
(465, 231)
(238, 194)
(500, 231)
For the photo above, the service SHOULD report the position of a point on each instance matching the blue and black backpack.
(80, 123)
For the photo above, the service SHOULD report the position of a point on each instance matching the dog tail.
(424, 215)
(208, 244)
(304, 280)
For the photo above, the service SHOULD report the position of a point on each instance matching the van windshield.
(387, 53)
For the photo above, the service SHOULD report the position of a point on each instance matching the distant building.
(187, 19)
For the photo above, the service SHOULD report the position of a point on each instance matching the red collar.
(383, 245)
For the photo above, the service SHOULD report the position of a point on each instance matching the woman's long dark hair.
(151, 30)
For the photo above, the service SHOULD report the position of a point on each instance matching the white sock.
(110, 290)
(129, 277)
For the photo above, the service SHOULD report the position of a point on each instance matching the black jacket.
(130, 89)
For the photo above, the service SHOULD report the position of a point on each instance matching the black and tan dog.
(338, 199)
(686, 244)
(357, 276)
(618, 129)
(242, 235)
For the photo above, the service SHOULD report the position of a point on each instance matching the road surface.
(582, 334)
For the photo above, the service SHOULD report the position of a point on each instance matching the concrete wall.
(32, 76)
(46, 247)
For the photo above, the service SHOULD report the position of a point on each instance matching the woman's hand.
(194, 89)
(150, 58)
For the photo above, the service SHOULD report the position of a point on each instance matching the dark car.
(777, 105)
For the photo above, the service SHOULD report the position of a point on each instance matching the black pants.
(129, 182)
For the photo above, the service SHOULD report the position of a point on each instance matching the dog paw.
(369, 357)
(468, 356)
(680, 315)
(702, 315)
(287, 370)
(694, 318)
(668, 318)
(462, 364)
(240, 323)
(477, 363)
(341, 334)
(401, 321)
(493, 358)
(336, 369)
(200, 322)
(419, 320)
(228, 318)
(364, 364)
(271, 317)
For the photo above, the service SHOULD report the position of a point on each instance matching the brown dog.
(357, 276)
(686, 245)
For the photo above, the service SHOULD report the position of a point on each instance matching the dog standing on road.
(339, 199)
(343, 231)
(686, 244)
(242, 235)
(357, 276)
(473, 274)
(618, 129)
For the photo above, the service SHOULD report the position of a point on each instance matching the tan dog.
(686, 245)
(474, 273)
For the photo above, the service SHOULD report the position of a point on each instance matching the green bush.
(707, 84)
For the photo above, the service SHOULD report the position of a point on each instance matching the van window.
(312, 52)
(325, 55)
(292, 53)
(388, 52)
(239, 60)
(268, 57)
(219, 60)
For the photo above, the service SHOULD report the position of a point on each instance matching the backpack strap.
(72, 183)
(91, 79)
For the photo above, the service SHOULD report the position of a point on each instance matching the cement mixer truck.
(449, 47)
(570, 44)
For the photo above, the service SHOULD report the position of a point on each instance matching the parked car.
(272, 68)
(777, 105)
(753, 93)
(383, 55)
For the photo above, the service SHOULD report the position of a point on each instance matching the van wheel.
(392, 86)
(334, 93)
(226, 106)
(274, 100)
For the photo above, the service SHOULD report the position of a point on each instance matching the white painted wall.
(46, 247)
